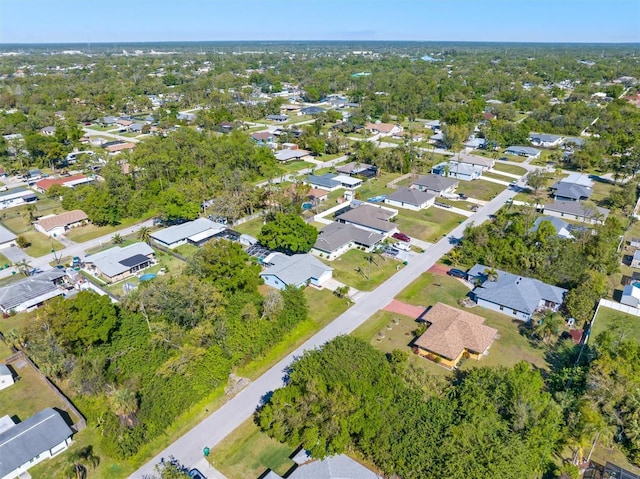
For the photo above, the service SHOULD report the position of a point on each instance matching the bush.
(22, 242)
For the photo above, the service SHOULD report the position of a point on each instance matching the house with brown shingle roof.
(71, 181)
(383, 129)
(453, 334)
(56, 225)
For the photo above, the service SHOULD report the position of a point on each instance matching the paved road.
(212, 430)
(115, 136)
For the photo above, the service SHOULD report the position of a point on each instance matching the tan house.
(383, 129)
(453, 334)
(57, 225)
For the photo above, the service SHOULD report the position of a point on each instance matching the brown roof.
(63, 219)
(124, 122)
(261, 135)
(47, 183)
(381, 127)
(317, 193)
(120, 147)
(453, 330)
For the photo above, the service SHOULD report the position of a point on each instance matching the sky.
(94, 21)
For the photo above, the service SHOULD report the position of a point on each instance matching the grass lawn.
(91, 231)
(428, 225)
(481, 190)
(247, 452)
(514, 170)
(295, 166)
(3, 260)
(601, 191)
(41, 244)
(345, 269)
(109, 244)
(252, 227)
(496, 176)
(187, 250)
(377, 186)
(5, 350)
(608, 319)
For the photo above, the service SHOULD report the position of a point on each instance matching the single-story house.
(68, 181)
(474, 160)
(475, 143)
(487, 115)
(574, 210)
(631, 295)
(114, 147)
(452, 334)
(288, 155)
(277, 118)
(512, 294)
(298, 270)
(30, 292)
(635, 261)
(290, 108)
(575, 187)
(613, 471)
(7, 238)
(439, 185)
(324, 182)
(384, 129)
(57, 225)
(570, 141)
(437, 139)
(411, 199)
(121, 262)
(49, 130)
(545, 140)
(355, 168)
(348, 181)
(17, 197)
(6, 376)
(312, 110)
(226, 126)
(434, 125)
(195, 232)
(370, 217)
(39, 437)
(188, 117)
(262, 137)
(124, 122)
(563, 229)
(108, 120)
(331, 467)
(336, 239)
(523, 151)
(317, 195)
(634, 243)
(136, 127)
(455, 169)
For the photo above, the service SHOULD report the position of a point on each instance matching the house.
(298, 270)
(312, 110)
(7, 238)
(545, 140)
(512, 294)
(631, 295)
(120, 262)
(563, 229)
(576, 187)
(188, 117)
(49, 130)
(436, 184)
(438, 140)
(324, 182)
(453, 334)
(226, 127)
(348, 182)
(277, 118)
(487, 115)
(455, 169)
(108, 120)
(383, 129)
(613, 471)
(30, 292)
(262, 137)
(574, 210)
(317, 195)
(355, 168)
(433, 125)
(57, 225)
(410, 199)
(124, 122)
(476, 143)
(635, 261)
(136, 127)
(290, 108)
(634, 243)
(288, 155)
(6, 376)
(45, 184)
(17, 197)
(372, 218)
(114, 147)
(336, 239)
(195, 232)
(480, 161)
(523, 151)
(571, 141)
(39, 437)
(331, 467)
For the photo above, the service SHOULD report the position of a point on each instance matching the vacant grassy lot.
(90, 231)
(479, 189)
(514, 170)
(40, 244)
(252, 227)
(428, 225)
(345, 269)
(247, 452)
(496, 176)
(625, 325)
(377, 186)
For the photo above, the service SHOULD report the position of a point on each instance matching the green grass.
(109, 244)
(514, 170)
(496, 176)
(479, 189)
(345, 269)
(187, 250)
(428, 225)
(247, 452)
(601, 191)
(623, 324)
(91, 231)
(5, 350)
(40, 244)
(377, 186)
(252, 227)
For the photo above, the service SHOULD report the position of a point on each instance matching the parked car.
(402, 237)
(457, 273)
(196, 474)
(504, 158)
(402, 246)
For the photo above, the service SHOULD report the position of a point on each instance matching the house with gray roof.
(523, 151)
(324, 182)
(563, 229)
(635, 259)
(545, 140)
(288, 155)
(39, 437)
(194, 232)
(512, 294)
(277, 118)
(631, 295)
(6, 237)
(108, 120)
(411, 199)
(357, 168)
(575, 187)
(119, 262)
(312, 110)
(30, 292)
(332, 467)
(338, 238)
(576, 211)
(298, 270)
(372, 218)
(457, 170)
(436, 184)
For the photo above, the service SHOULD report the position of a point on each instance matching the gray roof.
(5, 371)
(334, 467)
(354, 168)
(277, 117)
(336, 235)
(636, 255)
(515, 292)
(5, 235)
(523, 150)
(176, 233)
(326, 180)
(311, 110)
(33, 436)
(577, 209)
(370, 216)
(543, 137)
(109, 119)
(295, 270)
(411, 196)
(574, 139)
(110, 262)
(30, 288)
(136, 126)
(563, 229)
(571, 190)
(435, 182)
(286, 155)
(457, 168)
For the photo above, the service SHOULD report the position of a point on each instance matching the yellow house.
(453, 334)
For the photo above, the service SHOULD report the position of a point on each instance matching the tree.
(79, 462)
(582, 299)
(144, 234)
(548, 325)
(117, 239)
(124, 404)
(288, 233)
(22, 242)
(536, 180)
(272, 305)
(24, 267)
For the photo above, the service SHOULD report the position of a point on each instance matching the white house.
(383, 129)
(121, 262)
(6, 377)
(7, 238)
(17, 197)
(635, 261)
(336, 239)
(458, 170)
(195, 232)
(574, 210)
(411, 199)
(545, 140)
(29, 293)
(298, 270)
(523, 151)
(57, 225)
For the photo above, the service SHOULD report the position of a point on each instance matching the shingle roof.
(336, 235)
(453, 330)
(110, 262)
(261, 135)
(333, 467)
(325, 181)
(32, 287)
(33, 436)
(63, 219)
(571, 190)
(519, 150)
(5, 371)
(515, 292)
(295, 269)
(563, 229)
(353, 168)
(176, 233)
(371, 217)
(6, 235)
(47, 183)
(543, 137)
(435, 182)
(577, 209)
(381, 127)
(286, 155)
(411, 196)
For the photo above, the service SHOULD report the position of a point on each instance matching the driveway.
(15, 254)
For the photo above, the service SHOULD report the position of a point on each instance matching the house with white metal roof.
(331, 467)
(6, 237)
(6, 377)
(119, 262)
(195, 232)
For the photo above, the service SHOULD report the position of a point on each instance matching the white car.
(401, 245)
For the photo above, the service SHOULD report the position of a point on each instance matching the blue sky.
(49, 21)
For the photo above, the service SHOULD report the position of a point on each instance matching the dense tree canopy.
(288, 233)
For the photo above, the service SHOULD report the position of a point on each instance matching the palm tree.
(117, 239)
(24, 266)
(144, 234)
(455, 255)
(79, 462)
(491, 274)
(548, 325)
(124, 403)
